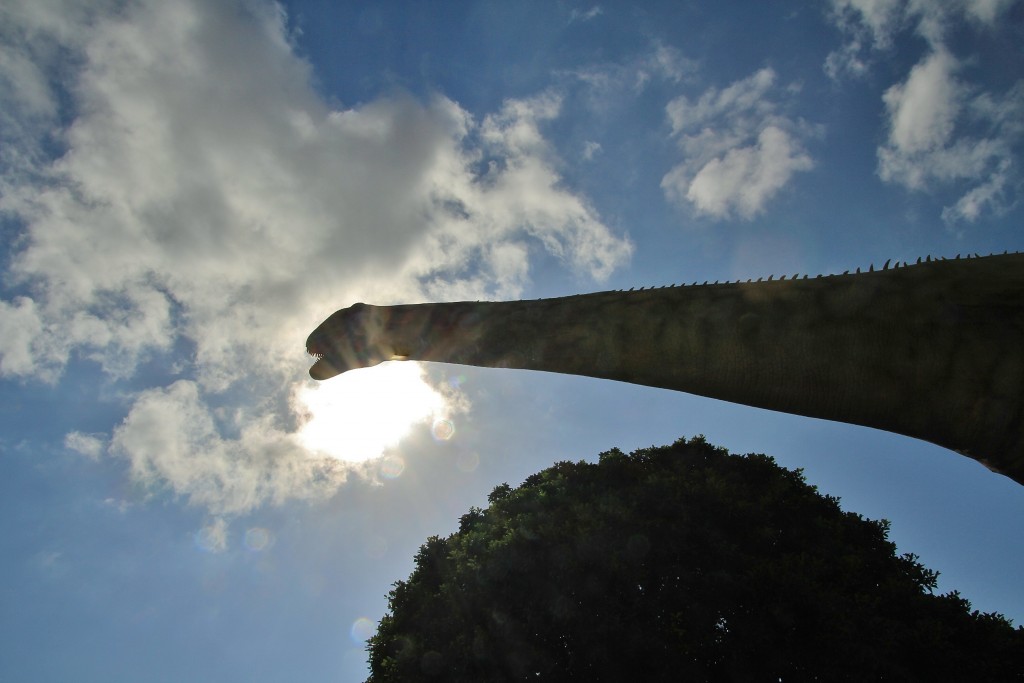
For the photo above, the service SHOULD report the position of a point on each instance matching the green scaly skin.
(933, 351)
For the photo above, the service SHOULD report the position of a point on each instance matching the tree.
(678, 563)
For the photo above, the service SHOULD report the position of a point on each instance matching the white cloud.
(22, 326)
(988, 196)
(91, 446)
(171, 439)
(207, 194)
(664, 62)
(986, 11)
(519, 192)
(585, 15)
(745, 178)
(213, 537)
(612, 84)
(739, 151)
(34, 35)
(744, 98)
(922, 109)
(942, 129)
(934, 124)
(870, 26)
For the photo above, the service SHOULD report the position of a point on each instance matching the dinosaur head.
(347, 340)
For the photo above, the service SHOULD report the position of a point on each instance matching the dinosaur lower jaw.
(323, 369)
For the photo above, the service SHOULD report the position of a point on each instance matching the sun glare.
(360, 414)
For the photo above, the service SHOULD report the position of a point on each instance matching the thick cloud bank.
(177, 183)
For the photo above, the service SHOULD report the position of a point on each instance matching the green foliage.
(678, 563)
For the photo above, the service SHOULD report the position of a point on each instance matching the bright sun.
(361, 413)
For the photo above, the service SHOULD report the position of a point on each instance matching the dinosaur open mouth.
(321, 368)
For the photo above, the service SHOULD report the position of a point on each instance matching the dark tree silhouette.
(672, 564)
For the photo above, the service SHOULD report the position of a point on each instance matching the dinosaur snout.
(322, 368)
(341, 343)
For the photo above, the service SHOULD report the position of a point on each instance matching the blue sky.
(189, 186)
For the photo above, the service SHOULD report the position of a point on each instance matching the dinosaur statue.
(933, 350)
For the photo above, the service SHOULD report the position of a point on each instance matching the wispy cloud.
(213, 537)
(91, 446)
(739, 148)
(867, 25)
(870, 26)
(611, 82)
(584, 15)
(942, 129)
(483, 218)
(940, 132)
(202, 192)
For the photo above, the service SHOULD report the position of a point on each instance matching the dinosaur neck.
(933, 351)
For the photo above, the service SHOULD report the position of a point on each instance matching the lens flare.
(392, 467)
(362, 629)
(257, 539)
(467, 462)
(442, 430)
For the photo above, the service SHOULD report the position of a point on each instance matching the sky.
(188, 187)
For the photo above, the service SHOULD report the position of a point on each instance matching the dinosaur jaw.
(323, 369)
(326, 363)
(328, 359)
(326, 368)
(331, 358)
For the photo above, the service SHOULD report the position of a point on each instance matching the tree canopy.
(678, 563)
